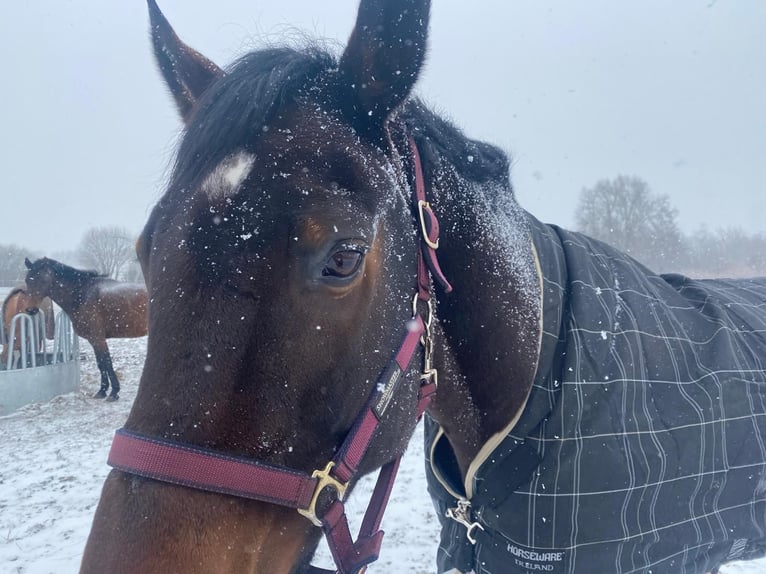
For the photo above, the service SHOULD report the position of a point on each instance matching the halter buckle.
(325, 480)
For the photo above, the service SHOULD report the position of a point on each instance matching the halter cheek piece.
(212, 471)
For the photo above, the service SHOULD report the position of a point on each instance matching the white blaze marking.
(225, 180)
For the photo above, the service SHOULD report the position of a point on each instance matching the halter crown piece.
(208, 470)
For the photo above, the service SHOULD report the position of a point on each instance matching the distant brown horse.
(19, 300)
(100, 308)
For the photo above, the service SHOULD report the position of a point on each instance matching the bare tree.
(727, 252)
(626, 214)
(106, 249)
(132, 271)
(12, 268)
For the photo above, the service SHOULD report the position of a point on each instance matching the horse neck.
(68, 291)
(490, 323)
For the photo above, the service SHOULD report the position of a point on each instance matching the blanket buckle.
(462, 515)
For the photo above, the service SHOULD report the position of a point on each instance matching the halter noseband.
(212, 471)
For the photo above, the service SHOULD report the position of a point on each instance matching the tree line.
(623, 212)
(109, 250)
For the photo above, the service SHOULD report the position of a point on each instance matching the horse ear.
(384, 56)
(28, 263)
(187, 72)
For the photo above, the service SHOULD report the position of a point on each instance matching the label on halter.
(387, 385)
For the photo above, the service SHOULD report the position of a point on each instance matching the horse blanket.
(642, 446)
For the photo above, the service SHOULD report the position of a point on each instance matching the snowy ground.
(53, 462)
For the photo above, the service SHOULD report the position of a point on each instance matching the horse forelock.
(241, 105)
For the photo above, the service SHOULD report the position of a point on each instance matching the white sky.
(674, 92)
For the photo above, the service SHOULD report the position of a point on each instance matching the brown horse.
(19, 300)
(591, 416)
(99, 308)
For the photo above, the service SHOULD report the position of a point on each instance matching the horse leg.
(104, 363)
(101, 394)
(16, 359)
(115, 394)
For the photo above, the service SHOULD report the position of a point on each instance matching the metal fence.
(39, 369)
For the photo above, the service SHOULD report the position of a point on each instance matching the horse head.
(22, 300)
(281, 264)
(40, 277)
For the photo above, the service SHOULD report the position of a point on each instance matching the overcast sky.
(671, 91)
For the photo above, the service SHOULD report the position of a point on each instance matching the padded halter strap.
(205, 469)
(208, 470)
(428, 264)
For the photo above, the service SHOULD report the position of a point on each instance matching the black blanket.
(642, 447)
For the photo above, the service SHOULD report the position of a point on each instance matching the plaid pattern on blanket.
(643, 445)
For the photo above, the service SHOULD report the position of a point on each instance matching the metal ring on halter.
(431, 375)
(422, 206)
(429, 303)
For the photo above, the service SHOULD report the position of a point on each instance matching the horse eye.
(343, 264)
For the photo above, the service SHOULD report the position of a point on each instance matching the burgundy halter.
(208, 470)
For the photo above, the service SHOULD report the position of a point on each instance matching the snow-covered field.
(53, 462)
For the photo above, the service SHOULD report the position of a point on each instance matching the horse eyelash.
(363, 249)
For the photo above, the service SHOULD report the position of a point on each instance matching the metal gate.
(40, 369)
